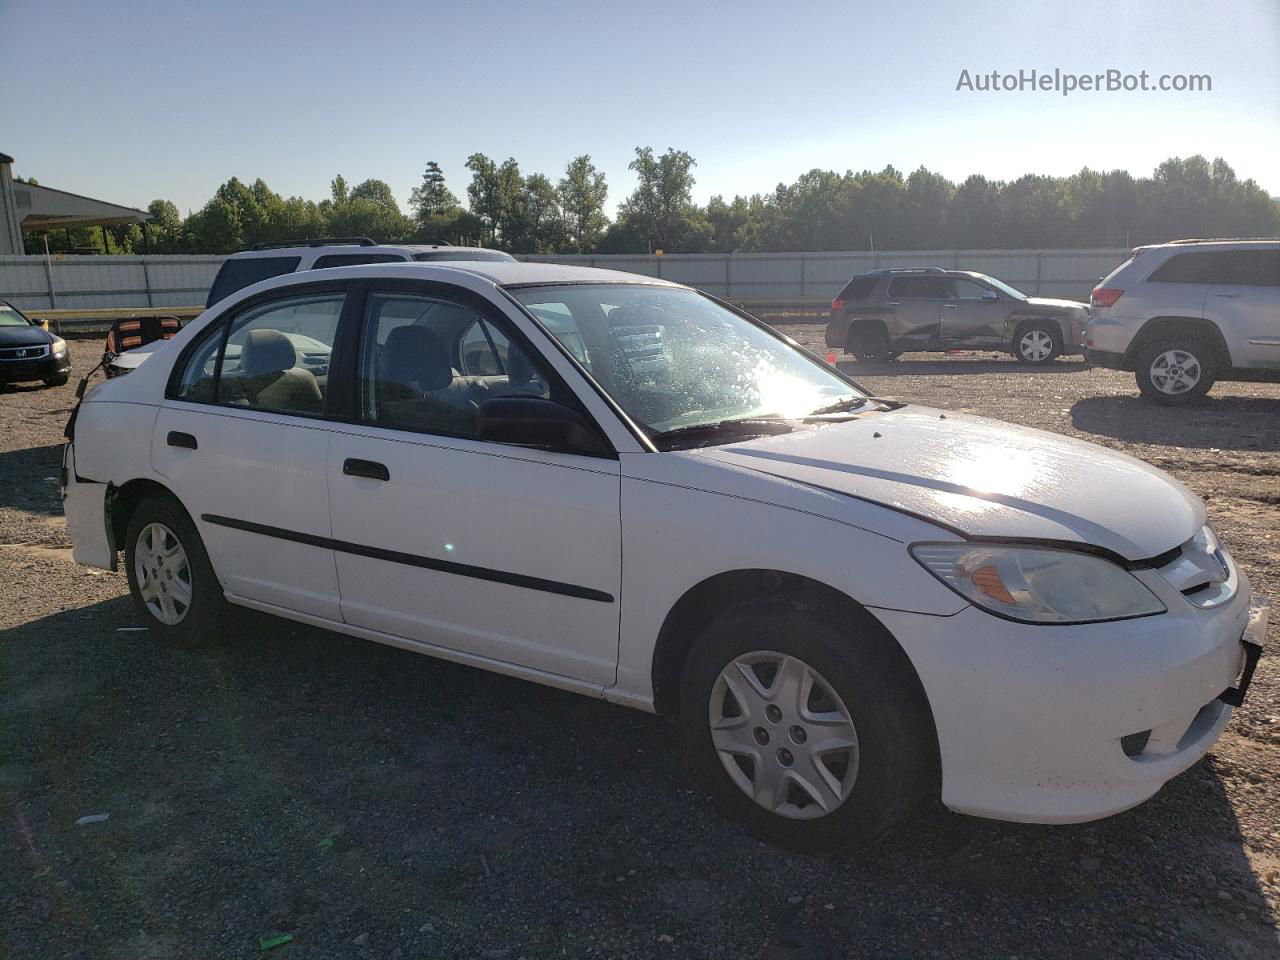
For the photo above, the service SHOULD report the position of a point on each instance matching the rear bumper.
(837, 334)
(1033, 721)
(85, 505)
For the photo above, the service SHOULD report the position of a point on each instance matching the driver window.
(407, 374)
(963, 289)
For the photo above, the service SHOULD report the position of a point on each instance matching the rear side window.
(352, 259)
(1253, 268)
(859, 288)
(919, 288)
(275, 357)
(238, 274)
(1185, 268)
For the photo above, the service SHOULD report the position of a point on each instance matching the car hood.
(982, 478)
(24, 336)
(1064, 306)
(132, 359)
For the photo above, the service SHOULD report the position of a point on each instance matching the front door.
(502, 552)
(242, 444)
(970, 317)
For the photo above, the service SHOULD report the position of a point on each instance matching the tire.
(1036, 342)
(1175, 371)
(869, 342)
(856, 672)
(157, 573)
(57, 380)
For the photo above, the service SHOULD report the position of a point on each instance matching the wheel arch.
(1059, 324)
(123, 500)
(1200, 328)
(704, 601)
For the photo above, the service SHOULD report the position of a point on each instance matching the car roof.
(473, 274)
(320, 250)
(1249, 243)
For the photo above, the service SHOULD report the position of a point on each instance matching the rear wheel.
(806, 732)
(1037, 342)
(869, 342)
(172, 582)
(1174, 371)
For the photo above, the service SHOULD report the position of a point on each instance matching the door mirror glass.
(535, 422)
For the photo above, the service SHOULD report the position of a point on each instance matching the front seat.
(416, 387)
(269, 378)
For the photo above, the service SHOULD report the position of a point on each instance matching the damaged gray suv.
(884, 313)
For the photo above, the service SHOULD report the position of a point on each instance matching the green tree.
(431, 199)
(661, 208)
(582, 194)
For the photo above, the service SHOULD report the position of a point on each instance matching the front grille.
(24, 353)
(1201, 571)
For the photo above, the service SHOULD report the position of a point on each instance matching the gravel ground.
(378, 804)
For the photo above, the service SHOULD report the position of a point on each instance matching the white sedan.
(622, 487)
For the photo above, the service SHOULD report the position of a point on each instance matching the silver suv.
(884, 313)
(1186, 314)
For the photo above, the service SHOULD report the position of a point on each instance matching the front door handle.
(365, 468)
(951, 306)
(186, 441)
(1228, 296)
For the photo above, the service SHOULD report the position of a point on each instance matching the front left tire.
(57, 380)
(803, 727)
(170, 577)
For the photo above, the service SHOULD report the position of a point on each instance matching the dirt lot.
(378, 804)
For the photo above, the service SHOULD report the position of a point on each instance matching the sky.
(130, 101)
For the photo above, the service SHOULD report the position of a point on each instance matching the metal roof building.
(26, 206)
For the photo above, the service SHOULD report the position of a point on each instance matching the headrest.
(520, 369)
(265, 352)
(415, 354)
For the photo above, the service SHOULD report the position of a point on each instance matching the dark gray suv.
(884, 313)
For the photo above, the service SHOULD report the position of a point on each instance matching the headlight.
(1038, 584)
(59, 346)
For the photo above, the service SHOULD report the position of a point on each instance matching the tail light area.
(837, 305)
(1105, 296)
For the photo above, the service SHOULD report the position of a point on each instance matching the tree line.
(821, 210)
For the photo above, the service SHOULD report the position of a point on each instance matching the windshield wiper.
(741, 427)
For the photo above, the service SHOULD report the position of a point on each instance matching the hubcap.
(783, 735)
(1175, 371)
(163, 574)
(1035, 345)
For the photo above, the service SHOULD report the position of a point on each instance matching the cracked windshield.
(674, 359)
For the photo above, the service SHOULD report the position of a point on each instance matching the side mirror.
(534, 422)
(990, 296)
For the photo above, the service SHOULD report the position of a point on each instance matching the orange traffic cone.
(831, 357)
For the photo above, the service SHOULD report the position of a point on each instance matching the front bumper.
(1033, 721)
(43, 368)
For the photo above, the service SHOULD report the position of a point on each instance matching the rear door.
(916, 302)
(242, 439)
(1244, 300)
(503, 552)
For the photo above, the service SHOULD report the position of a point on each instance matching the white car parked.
(622, 487)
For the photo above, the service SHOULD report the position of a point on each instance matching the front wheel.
(1174, 372)
(809, 733)
(1037, 343)
(57, 380)
(172, 582)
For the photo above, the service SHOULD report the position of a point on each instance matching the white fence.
(101, 282)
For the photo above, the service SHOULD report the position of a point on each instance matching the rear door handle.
(365, 468)
(1229, 296)
(186, 441)
(951, 306)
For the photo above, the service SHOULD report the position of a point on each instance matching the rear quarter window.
(859, 288)
(238, 274)
(1184, 268)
